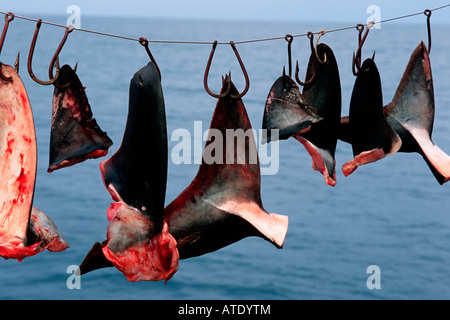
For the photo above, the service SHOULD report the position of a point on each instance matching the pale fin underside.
(273, 226)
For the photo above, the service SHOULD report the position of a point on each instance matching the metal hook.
(356, 65)
(289, 38)
(8, 18)
(205, 77)
(208, 66)
(297, 69)
(321, 33)
(69, 29)
(428, 14)
(144, 42)
(247, 80)
(356, 62)
(30, 57)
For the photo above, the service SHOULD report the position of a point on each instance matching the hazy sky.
(292, 10)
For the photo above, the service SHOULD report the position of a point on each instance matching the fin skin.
(95, 259)
(24, 230)
(411, 112)
(75, 135)
(312, 117)
(286, 110)
(223, 203)
(324, 95)
(138, 242)
(372, 136)
(139, 168)
(411, 115)
(344, 133)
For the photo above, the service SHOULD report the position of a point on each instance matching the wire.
(227, 43)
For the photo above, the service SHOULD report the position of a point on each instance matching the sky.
(353, 11)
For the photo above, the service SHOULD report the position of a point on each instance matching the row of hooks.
(55, 59)
(54, 62)
(356, 65)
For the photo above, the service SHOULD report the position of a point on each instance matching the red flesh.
(132, 251)
(18, 220)
(361, 159)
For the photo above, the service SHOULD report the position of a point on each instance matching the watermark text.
(234, 146)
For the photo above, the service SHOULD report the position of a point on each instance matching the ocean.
(391, 214)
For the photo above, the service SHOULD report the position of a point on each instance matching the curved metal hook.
(356, 64)
(144, 42)
(8, 18)
(205, 77)
(428, 14)
(297, 69)
(321, 33)
(208, 66)
(30, 57)
(289, 38)
(244, 71)
(56, 57)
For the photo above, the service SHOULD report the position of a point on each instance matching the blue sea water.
(391, 213)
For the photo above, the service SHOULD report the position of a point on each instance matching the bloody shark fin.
(75, 135)
(24, 230)
(223, 203)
